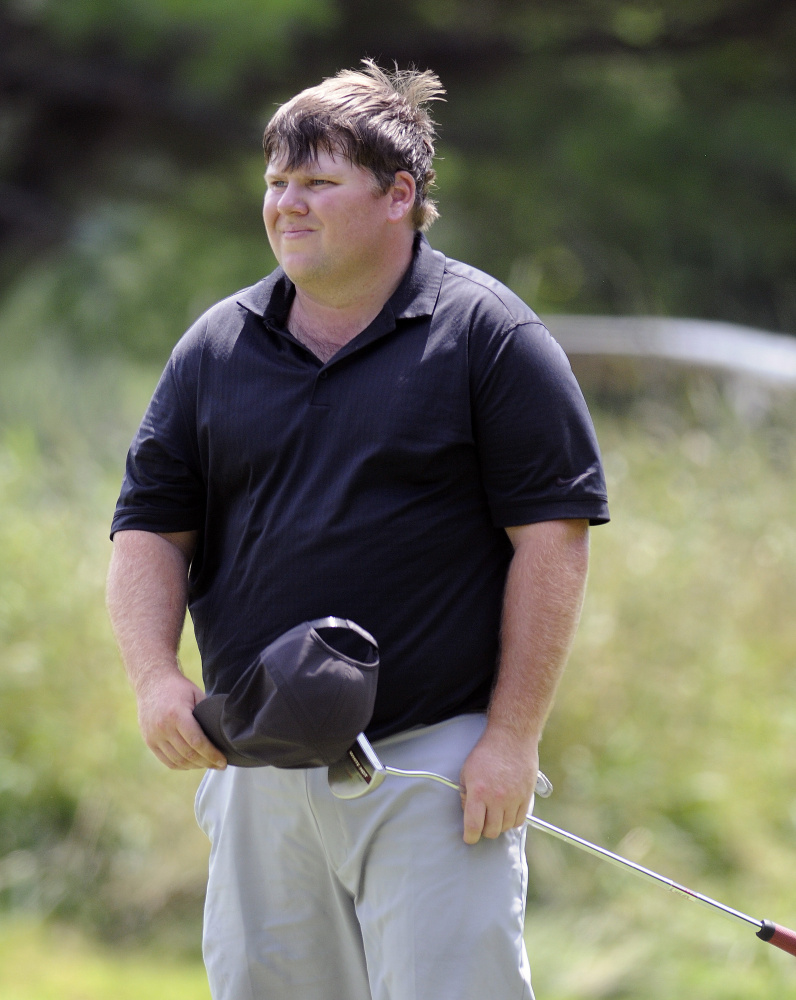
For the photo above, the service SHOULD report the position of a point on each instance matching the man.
(381, 434)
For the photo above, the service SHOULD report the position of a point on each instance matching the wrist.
(153, 672)
(522, 735)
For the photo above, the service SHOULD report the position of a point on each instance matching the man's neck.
(326, 323)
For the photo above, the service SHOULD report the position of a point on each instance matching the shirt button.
(324, 375)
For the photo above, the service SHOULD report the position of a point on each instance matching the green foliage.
(672, 739)
(631, 158)
(89, 827)
(138, 273)
(614, 194)
(209, 40)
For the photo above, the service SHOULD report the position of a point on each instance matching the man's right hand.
(147, 596)
(165, 715)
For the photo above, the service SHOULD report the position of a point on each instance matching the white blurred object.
(726, 346)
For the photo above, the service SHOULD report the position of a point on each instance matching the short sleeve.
(536, 442)
(163, 487)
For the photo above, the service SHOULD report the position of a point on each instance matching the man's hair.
(374, 118)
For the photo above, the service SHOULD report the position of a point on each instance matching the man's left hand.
(498, 778)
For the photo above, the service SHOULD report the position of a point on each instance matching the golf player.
(378, 433)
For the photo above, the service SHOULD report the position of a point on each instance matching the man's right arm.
(147, 596)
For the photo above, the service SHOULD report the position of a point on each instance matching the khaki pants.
(314, 898)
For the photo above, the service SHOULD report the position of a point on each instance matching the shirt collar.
(415, 296)
(419, 289)
(270, 298)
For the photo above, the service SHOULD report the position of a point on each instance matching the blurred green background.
(602, 158)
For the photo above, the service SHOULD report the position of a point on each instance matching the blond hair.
(375, 118)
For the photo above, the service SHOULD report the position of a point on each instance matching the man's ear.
(402, 196)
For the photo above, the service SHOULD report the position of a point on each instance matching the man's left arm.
(541, 609)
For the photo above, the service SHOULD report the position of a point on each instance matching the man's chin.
(303, 272)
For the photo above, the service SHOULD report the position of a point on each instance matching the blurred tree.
(600, 155)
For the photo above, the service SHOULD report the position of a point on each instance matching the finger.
(164, 758)
(205, 753)
(173, 750)
(474, 817)
(176, 758)
(190, 742)
(195, 748)
(494, 823)
(520, 817)
(186, 759)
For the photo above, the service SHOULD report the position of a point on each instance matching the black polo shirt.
(375, 487)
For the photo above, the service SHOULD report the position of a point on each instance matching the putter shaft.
(401, 773)
(543, 786)
(620, 862)
(781, 937)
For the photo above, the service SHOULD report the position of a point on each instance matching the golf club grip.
(780, 937)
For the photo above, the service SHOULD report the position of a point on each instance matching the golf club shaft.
(401, 773)
(780, 937)
(543, 786)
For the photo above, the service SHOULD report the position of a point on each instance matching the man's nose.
(291, 200)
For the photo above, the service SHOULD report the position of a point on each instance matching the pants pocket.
(200, 802)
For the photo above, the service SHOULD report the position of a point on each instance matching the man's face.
(327, 223)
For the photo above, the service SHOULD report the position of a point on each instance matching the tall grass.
(59, 963)
(672, 740)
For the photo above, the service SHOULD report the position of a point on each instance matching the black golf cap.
(302, 702)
